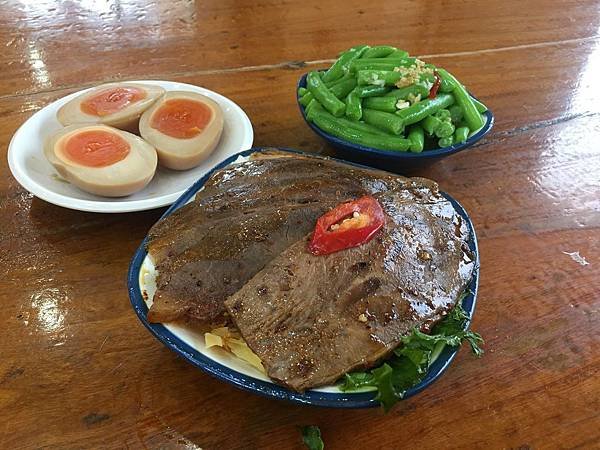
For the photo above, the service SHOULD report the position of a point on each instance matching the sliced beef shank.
(311, 319)
(245, 216)
(276, 180)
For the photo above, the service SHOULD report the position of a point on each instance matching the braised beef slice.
(277, 181)
(244, 217)
(311, 319)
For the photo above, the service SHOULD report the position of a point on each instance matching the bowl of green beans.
(380, 106)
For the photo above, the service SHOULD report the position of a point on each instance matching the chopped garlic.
(362, 318)
(413, 98)
(411, 75)
(401, 104)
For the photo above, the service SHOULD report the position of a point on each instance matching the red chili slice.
(436, 86)
(341, 228)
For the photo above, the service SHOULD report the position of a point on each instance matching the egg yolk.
(181, 118)
(96, 148)
(112, 100)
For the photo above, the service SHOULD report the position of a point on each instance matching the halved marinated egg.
(102, 160)
(184, 127)
(116, 104)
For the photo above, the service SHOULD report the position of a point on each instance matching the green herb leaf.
(356, 380)
(386, 394)
(409, 362)
(311, 435)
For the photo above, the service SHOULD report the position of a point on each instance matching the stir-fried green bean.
(464, 100)
(415, 90)
(353, 106)
(381, 97)
(422, 109)
(380, 63)
(371, 91)
(416, 138)
(461, 134)
(342, 64)
(387, 104)
(322, 93)
(397, 54)
(337, 128)
(378, 77)
(383, 120)
(379, 51)
(445, 142)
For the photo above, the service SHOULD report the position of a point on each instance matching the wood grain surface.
(77, 369)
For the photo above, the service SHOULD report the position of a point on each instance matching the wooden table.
(77, 369)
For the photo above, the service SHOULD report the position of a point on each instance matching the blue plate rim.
(266, 389)
(390, 154)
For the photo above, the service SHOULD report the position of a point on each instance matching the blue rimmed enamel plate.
(189, 344)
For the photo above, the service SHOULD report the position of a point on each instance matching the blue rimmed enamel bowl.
(189, 343)
(390, 160)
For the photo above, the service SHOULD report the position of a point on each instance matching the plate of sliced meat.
(228, 278)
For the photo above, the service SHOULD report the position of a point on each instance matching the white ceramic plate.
(31, 169)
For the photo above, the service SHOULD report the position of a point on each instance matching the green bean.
(322, 93)
(371, 91)
(416, 138)
(430, 124)
(306, 99)
(307, 110)
(446, 86)
(422, 109)
(464, 100)
(360, 126)
(313, 108)
(379, 51)
(435, 125)
(342, 64)
(446, 129)
(353, 106)
(443, 115)
(387, 104)
(383, 120)
(445, 142)
(353, 124)
(480, 106)
(397, 54)
(404, 92)
(377, 77)
(345, 77)
(429, 77)
(377, 65)
(456, 113)
(302, 91)
(339, 89)
(380, 64)
(461, 134)
(336, 127)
